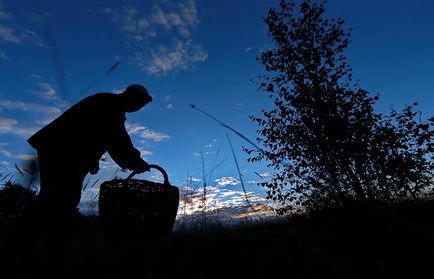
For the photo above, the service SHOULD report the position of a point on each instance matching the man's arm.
(123, 152)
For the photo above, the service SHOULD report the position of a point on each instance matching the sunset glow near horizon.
(53, 54)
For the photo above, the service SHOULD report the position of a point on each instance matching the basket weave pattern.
(137, 208)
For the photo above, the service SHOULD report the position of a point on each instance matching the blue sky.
(187, 52)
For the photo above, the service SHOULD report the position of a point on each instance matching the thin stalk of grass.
(239, 171)
(228, 127)
(204, 191)
(214, 166)
(116, 172)
(100, 78)
(204, 182)
(6, 177)
(19, 170)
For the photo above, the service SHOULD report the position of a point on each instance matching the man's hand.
(141, 167)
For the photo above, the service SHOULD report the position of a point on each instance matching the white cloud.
(162, 38)
(26, 157)
(192, 200)
(6, 153)
(200, 154)
(30, 107)
(160, 18)
(227, 180)
(12, 126)
(266, 174)
(146, 133)
(248, 49)
(106, 10)
(168, 98)
(170, 106)
(46, 91)
(181, 55)
(3, 55)
(182, 17)
(32, 37)
(25, 131)
(128, 22)
(9, 35)
(3, 14)
(13, 33)
(195, 179)
(7, 125)
(14, 36)
(145, 153)
(152, 135)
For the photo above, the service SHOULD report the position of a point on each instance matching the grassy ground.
(358, 241)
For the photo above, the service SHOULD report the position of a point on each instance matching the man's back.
(85, 128)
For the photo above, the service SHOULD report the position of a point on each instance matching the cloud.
(168, 98)
(146, 133)
(181, 55)
(152, 135)
(26, 157)
(7, 125)
(6, 153)
(43, 113)
(192, 200)
(9, 35)
(29, 107)
(195, 179)
(161, 38)
(248, 49)
(13, 33)
(106, 10)
(227, 180)
(170, 106)
(145, 153)
(12, 126)
(32, 37)
(3, 55)
(46, 92)
(266, 174)
(181, 17)
(3, 14)
(200, 154)
(19, 37)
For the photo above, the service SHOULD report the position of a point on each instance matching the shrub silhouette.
(322, 138)
(13, 200)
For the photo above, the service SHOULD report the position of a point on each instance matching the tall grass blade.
(228, 127)
(239, 171)
(19, 170)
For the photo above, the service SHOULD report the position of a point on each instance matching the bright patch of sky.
(53, 53)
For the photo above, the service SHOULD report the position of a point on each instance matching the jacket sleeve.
(121, 149)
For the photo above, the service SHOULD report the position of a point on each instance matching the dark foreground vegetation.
(365, 179)
(355, 241)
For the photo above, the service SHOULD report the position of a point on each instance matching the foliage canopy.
(322, 138)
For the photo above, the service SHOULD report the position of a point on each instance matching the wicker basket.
(134, 208)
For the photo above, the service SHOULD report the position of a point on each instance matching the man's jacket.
(83, 133)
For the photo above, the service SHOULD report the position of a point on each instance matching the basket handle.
(157, 167)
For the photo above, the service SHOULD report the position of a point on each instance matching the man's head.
(135, 97)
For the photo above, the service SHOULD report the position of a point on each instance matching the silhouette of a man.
(70, 147)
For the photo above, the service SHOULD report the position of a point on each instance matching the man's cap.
(139, 91)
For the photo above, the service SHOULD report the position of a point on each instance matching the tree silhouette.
(322, 138)
(13, 199)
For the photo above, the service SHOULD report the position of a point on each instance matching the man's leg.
(54, 209)
(60, 201)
